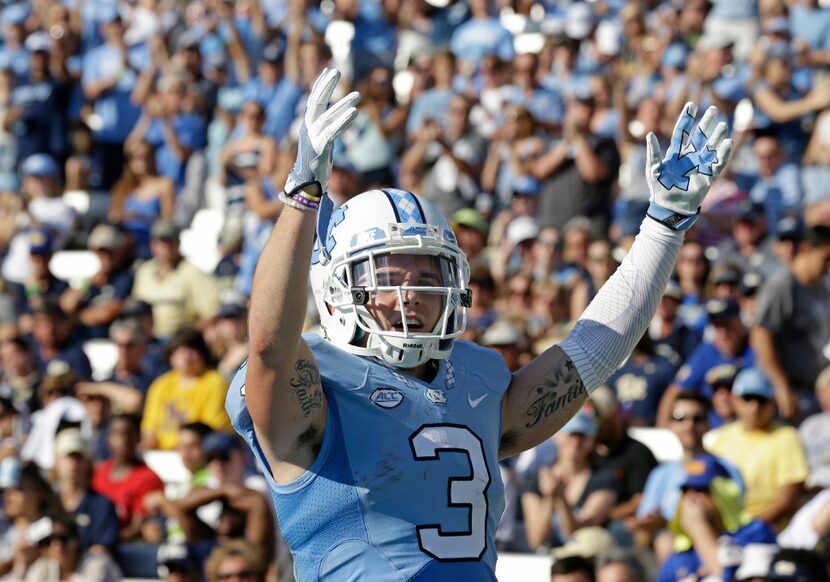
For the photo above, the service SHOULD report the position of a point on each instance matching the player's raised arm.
(283, 392)
(545, 394)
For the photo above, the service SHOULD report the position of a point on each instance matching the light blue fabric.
(476, 39)
(396, 450)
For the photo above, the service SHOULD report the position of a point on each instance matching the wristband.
(671, 219)
(302, 200)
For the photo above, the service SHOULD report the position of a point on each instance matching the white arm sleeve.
(620, 313)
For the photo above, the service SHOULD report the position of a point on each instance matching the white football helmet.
(353, 265)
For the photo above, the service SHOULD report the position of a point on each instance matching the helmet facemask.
(402, 292)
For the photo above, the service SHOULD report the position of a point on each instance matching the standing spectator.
(109, 75)
(815, 435)
(192, 391)
(769, 455)
(480, 36)
(229, 341)
(42, 192)
(447, 158)
(749, 247)
(19, 376)
(94, 513)
(573, 569)
(97, 302)
(179, 293)
(578, 171)
(692, 271)
(793, 325)
(729, 345)
(172, 130)
(249, 155)
(125, 479)
(141, 196)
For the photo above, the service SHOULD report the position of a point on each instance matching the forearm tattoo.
(561, 387)
(308, 391)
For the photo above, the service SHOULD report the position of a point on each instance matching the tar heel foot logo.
(436, 396)
(386, 397)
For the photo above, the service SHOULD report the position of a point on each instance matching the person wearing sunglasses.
(689, 422)
(770, 455)
(235, 561)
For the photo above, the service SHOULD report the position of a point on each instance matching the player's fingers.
(350, 100)
(724, 150)
(653, 154)
(704, 129)
(339, 124)
(683, 128)
(716, 136)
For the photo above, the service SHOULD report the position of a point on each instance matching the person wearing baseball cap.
(769, 455)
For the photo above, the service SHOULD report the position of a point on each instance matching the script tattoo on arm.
(562, 387)
(308, 392)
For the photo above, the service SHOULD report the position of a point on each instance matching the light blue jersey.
(407, 484)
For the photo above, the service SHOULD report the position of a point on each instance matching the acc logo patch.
(386, 397)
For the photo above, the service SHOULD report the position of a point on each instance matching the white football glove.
(695, 158)
(320, 127)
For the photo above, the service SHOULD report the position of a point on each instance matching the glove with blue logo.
(695, 158)
(320, 127)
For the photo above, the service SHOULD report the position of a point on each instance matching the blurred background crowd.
(142, 145)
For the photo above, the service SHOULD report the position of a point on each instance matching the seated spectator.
(94, 513)
(236, 560)
(192, 452)
(40, 285)
(97, 302)
(507, 339)
(721, 379)
(815, 435)
(178, 562)
(749, 248)
(692, 269)
(192, 391)
(673, 339)
(99, 411)
(42, 191)
(126, 388)
(709, 524)
(57, 393)
(62, 555)
(154, 362)
(53, 339)
(570, 494)
(689, 422)
(141, 196)
(573, 569)
(628, 459)
(179, 293)
(125, 479)
(620, 567)
(11, 438)
(27, 496)
(600, 266)
(229, 337)
(768, 454)
(729, 345)
(640, 382)
(19, 377)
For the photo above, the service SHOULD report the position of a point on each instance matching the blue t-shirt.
(192, 134)
(406, 486)
(97, 521)
(478, 38)
(118, 289)
(694, 374)
(639, 386)
(662, 491)
(115, 107)
(73, 354)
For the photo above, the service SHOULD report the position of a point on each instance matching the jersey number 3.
(470, 491)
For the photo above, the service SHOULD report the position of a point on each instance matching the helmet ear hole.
(330, 308)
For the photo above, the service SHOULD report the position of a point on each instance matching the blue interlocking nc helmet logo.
(336, 218)
(675, 169)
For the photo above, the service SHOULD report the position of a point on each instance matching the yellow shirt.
(767, 460)
(180, 298)
(170, 405)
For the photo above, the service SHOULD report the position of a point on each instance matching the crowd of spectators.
(525, 122)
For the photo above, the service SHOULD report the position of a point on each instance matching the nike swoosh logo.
(475, 402)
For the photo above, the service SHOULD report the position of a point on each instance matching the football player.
(380, 437)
